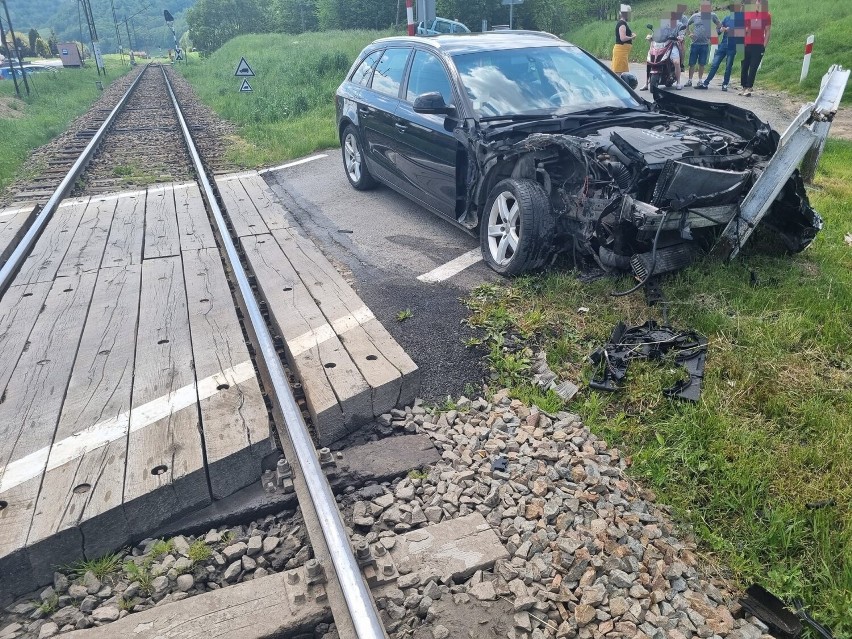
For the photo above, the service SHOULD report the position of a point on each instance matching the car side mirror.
(433, 103)
(629, 79)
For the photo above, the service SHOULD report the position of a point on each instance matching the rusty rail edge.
(358, 610)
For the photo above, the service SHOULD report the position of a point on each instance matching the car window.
(365, 69)
(427, 75)
(539, 80)
(388, 74)
(443, 27)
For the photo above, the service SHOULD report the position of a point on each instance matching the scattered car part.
(546, 379)
(653, 342)
(783, 623)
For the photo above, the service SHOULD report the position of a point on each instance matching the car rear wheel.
(353, 161)
(516, 230)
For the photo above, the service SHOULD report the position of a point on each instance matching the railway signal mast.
(171, 22)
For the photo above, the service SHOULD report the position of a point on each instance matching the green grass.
(140, 573)
(290, 112)
(405, 314)
(100, 567)
(199, 551)
(160, 548)
(772, 432)
(55, 100)
(792, 22)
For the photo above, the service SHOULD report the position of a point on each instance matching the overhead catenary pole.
(117, 32)
(11, 66)
(17, 50)
(93, 34)
(129, 43)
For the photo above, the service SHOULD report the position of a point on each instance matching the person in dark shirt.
(623, 42)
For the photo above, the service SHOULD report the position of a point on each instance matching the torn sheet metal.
(653, 342)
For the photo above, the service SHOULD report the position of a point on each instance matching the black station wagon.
(541, 149)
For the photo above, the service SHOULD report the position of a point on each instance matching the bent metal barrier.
(356, 609)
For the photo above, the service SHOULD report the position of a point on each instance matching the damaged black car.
(539, 148)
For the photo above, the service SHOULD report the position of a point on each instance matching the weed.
(199, 551)
(227, 537)
(101, 567)
(447, 405)
(140, 573)
(49, 606)
(401, 316)
(127, 604)
(122, 170)
(417, 474)
(160, 548)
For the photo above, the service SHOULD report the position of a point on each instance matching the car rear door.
(377, 109)
(426, 149)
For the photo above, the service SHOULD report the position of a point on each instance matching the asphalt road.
(384, 242)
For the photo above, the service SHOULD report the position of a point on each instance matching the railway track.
(150, 109)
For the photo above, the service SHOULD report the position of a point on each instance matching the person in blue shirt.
(727, 49)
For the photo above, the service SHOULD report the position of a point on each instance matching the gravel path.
(592, 555)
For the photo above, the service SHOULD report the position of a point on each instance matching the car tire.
(655, 82)
(353, 160)
(516, 229)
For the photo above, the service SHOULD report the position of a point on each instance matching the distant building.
(70, 54)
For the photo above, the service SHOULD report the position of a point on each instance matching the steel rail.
(361, 609)
(22, 250)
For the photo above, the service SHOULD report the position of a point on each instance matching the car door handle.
(400, 127)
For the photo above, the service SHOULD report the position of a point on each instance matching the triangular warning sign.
(244, 70)
(246, 87)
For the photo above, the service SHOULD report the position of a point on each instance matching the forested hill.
(147, 29)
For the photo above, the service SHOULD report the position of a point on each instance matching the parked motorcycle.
(660, 63)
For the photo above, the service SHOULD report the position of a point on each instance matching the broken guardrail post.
(804, 136)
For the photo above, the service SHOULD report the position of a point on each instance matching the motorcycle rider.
(666, 31)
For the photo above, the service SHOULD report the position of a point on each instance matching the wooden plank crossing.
(128, 394)
(14, 222)
(350, 367)
(126, 399)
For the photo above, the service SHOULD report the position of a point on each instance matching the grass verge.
(761, 466)
(290, 111)
(55, 100)
(792, 23)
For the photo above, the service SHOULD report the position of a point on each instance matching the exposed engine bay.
(648, 195)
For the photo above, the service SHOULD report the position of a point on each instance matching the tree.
(33, 36)
(214, 22)
(296, 16)
(53, 43)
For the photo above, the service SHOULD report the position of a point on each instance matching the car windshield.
(539, 81)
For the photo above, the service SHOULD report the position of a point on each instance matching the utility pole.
(11, 66)
(17, 50)
(117, 32)
(129, 43)
(93, 32)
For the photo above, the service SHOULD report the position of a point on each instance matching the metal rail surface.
(22, 250)
(359, 606)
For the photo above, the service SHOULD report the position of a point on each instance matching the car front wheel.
(353, 160)
(516, 230)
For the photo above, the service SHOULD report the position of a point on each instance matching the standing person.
(700, 34)
(623, 42)
(727, 50)
(757, 25)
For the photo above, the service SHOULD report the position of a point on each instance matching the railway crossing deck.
(129, 393)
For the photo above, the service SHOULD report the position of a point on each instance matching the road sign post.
(244, 71)
(512, 4)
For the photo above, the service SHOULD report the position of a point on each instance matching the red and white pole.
(806, 63)
(714, 42)
(409, 10)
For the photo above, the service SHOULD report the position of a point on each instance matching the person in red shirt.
(758, 22)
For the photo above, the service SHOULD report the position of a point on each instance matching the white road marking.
(317, 336)
(453, 267)
(236, 176)
(318, 156)
(115, 428)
